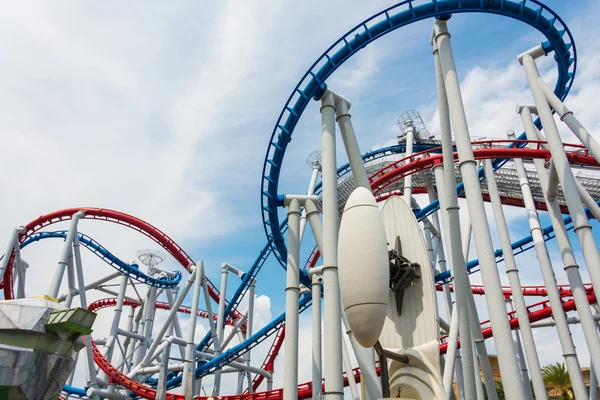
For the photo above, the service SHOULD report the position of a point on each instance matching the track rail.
(312, 84)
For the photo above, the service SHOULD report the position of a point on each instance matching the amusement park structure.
(373, 278)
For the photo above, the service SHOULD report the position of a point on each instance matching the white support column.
(359, 172)
(292, 294)
(453, 234)
(453, 358)
(175, 322)
(562, 328)
(311, 190)
(569, 262)
(213, 332)
(122, 360)
(334, 389)
(349, 374)
(71, 280)
(507, 361)
(451, 352)
(317, 364)
(569, 119)
(90, 368)
(519, 347)
(249, 330)
(13, 241)
(512, 272)
(57, 277)
(20, 265)
(222, 298)
(478, 340)
(112, 336)
(172, 314)
(581, 226)
(364, 357)
(410, 138)
(190, 357)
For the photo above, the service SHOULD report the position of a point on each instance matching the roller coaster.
(383, 272)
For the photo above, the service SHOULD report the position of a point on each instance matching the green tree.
(557, 381)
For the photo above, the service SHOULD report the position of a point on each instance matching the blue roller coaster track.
(312, 84)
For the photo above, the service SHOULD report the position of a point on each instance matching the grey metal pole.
(90, 368)
(64, 257)
(515, 284)
(458, 265)
(582, 228)
(569, 119)
(521, 357)
(311, 190)
(333, 310)
(292, 295)
(112, 336)
(20, 266)
(12, 242)
(433, 195)
(172, 314)
(364, 357)
(478, 340)
(570, 263)
(249, 328)
(175, 321)
(507, 362)
(222, 294)
(317, 367)
(410, 137)
(359, 172)
(453, 356)
(564, 335)
(189, 363)
(349, 374)
(71, 280)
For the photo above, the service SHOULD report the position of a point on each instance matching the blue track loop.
(312, 84)
(132, 270)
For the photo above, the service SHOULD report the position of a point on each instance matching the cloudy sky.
(164, 111)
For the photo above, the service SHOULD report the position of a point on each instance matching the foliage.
(558, 382)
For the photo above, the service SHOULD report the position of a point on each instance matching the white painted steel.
(453, 235)
(334, 389)
(190, 363)
(349, 374)
(581, 226)
(90, 368)
(310, 191)
(568, 257)
(515, 283)
(172, 314)
(364, 356)
(564, 335)
(570, 120)
(359, 172)
(57, 277)
(507, 361)
(317, 367)
(290, 368)
(410, 138)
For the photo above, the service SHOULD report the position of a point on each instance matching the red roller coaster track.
(379, 181)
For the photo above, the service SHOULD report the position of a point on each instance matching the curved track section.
(312, 84)
(132, 270)
(113, 216)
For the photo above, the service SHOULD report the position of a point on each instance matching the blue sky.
(165, 111)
